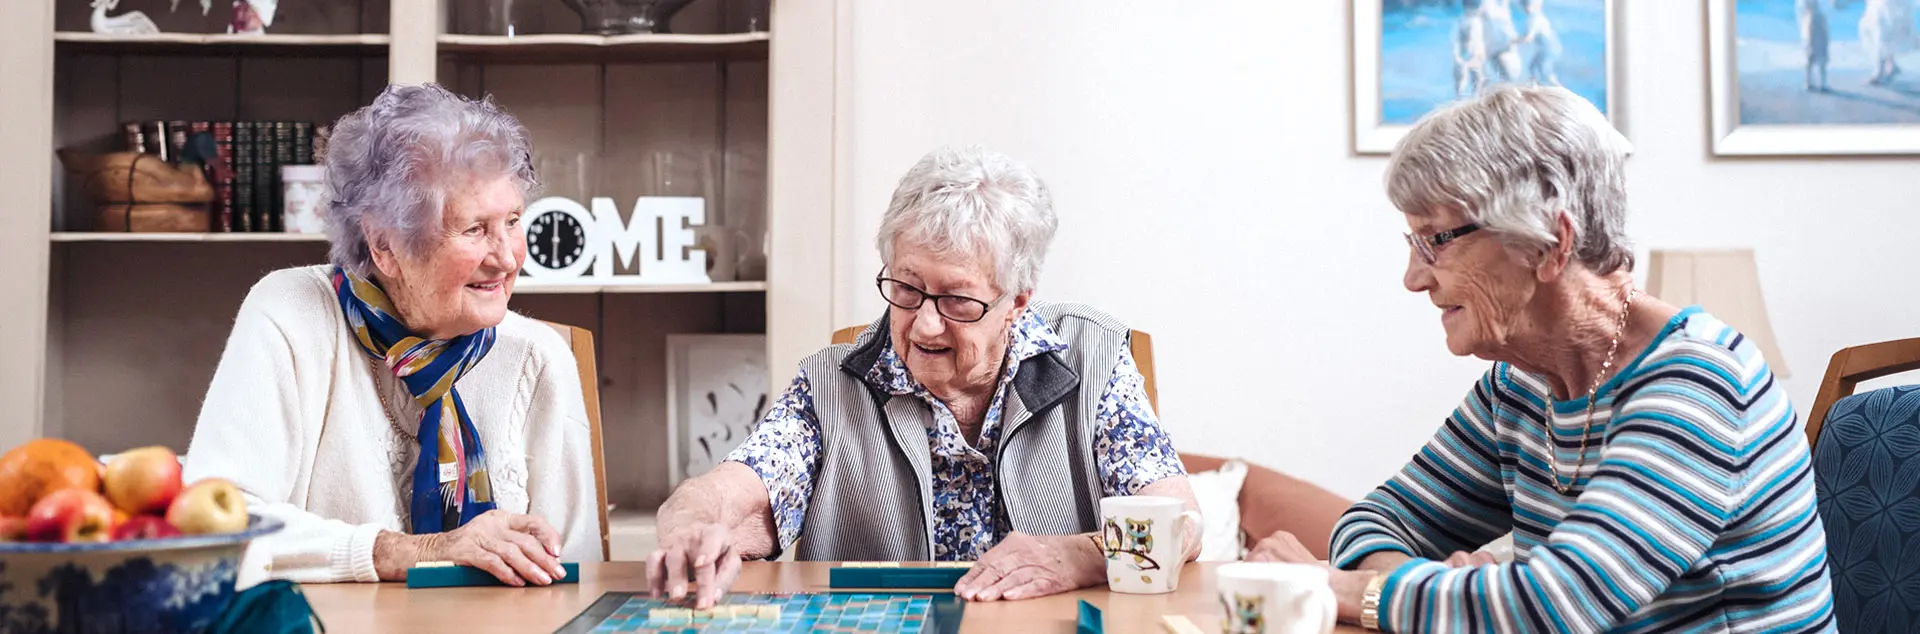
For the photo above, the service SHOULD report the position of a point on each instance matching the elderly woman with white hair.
(968, 423)
(387, 406)
(1649, 467)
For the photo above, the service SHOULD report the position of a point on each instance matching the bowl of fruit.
(119, 546)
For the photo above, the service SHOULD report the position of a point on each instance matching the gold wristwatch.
(1370, 602)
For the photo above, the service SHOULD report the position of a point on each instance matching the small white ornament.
(129, 23)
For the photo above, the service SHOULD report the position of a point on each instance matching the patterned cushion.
(1867, 472)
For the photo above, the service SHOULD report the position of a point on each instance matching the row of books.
(248, 193)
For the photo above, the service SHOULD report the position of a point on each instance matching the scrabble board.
(640, 613)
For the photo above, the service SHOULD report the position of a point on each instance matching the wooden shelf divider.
(641, 47)
(363, 44)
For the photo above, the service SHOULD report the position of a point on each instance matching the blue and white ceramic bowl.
(159, 586)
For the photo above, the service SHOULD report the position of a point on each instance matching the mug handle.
(1182, 521)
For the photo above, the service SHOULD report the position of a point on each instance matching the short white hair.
(970, 202)
(1514, 159)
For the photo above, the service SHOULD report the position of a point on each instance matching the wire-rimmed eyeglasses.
(1429, 246)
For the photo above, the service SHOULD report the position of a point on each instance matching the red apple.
(71, 516)
(213, 505)
(13, 529)
(143, 481)
(145, 527)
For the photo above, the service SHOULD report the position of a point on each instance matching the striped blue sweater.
(1695, 511)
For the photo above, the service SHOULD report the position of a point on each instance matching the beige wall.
(26, 163)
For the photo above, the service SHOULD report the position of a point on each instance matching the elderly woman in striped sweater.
(1641, 454)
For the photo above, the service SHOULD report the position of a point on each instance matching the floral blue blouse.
(1132, 450)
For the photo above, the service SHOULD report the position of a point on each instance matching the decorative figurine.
(252, 17)
(129, 23)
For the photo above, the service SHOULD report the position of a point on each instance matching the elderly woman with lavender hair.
(387, 406)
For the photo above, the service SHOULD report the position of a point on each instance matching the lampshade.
(1723, 281)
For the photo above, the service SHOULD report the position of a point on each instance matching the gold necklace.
(1553, 460)
(380, 392)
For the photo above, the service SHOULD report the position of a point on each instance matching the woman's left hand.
(1282, 546)
(1025, 566)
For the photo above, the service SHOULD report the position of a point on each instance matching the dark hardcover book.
(303, 143)
(243, 168)
(153, 138)
(265, 171)
(283, 154)
(211, 170)
(136, 140)
(176, 139)
(222, 211)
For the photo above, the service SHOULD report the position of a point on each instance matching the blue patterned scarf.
(450, 485)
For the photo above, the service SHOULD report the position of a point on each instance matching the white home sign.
(568, 244)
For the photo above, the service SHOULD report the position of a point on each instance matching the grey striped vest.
(872, 493)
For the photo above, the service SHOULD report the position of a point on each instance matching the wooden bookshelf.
(190, 44)
(109, 236)
(578, 289)
(123, 330)
(604, 49)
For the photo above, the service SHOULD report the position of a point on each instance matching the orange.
(32, 470)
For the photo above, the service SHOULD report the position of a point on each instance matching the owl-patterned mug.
(1274, 598)
(1140, 535)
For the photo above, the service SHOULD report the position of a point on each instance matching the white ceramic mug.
(1274, 598)
(1140, 535)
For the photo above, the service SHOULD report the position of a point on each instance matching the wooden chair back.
(1141, 343)
(1271, 501)
(1851, 366)
(581, 341)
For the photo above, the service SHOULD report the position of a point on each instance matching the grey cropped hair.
(391, 164)
(1513, 160)
(973, 202)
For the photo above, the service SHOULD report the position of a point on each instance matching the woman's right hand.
(515, 548)
(705, 548)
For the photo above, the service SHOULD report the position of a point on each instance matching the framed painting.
(1813, 77)
(1412, 56)
(716, 393)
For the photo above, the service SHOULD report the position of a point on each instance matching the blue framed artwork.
(1413, 56)
(1814, 76)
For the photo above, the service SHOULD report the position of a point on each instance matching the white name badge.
(449, 471)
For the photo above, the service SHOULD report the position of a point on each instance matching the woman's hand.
(1282, 546)
(1348, 585)
(515, 548)
(1463, 559)
(705, 547)
(1025, 566)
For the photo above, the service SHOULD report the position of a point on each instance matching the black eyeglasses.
(1429, 247)
(958, 308)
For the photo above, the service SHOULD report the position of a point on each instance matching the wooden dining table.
(375, 608)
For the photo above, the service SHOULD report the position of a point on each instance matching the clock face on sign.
(556, 240)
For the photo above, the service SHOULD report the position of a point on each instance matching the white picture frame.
(1732, 138)
(1374, 136)
(717, 390)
